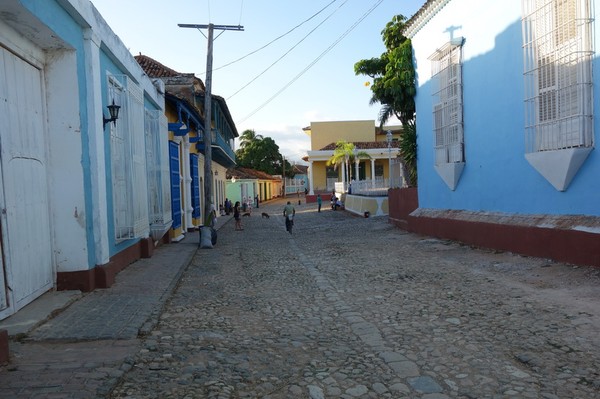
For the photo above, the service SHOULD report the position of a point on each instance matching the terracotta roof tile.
(364, 145)
(155, 69)
(246, 173)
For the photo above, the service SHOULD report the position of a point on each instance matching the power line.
(274, 40)
(313, 62)
(287, 52)
(241, 9)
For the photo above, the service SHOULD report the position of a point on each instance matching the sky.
(292, 64)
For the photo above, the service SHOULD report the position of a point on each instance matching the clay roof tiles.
(363, 145)
(247, 173)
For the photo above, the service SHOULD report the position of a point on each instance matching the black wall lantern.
(113, 110)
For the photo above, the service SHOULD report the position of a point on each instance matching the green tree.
(394, 87)
(408, 151)
(249, 136)
(263, 154)
(393, 74)
(344, 154)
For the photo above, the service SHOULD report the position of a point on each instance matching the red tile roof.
(246, 173)
(155, 69)
(364, 145)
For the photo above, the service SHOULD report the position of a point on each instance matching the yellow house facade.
(366, 137)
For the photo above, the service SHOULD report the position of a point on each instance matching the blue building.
(83, 194)
(507, 120)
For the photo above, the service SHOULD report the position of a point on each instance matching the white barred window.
(128, 163)
(446, 66)
(157, 168)
(557, 45)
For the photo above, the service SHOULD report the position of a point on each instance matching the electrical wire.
(287, 52)
(241, 9)
(274, 40)
(339, 39)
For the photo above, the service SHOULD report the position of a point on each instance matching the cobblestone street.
(351, 307)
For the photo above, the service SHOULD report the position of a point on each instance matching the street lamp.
(113, 111)
(388, 137)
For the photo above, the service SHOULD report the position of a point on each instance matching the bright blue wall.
(497, 177)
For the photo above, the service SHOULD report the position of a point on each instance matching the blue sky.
(274, 91)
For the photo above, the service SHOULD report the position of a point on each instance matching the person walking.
(237, 216)
(289, 212)
(319, 202)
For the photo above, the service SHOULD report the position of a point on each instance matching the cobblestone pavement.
(350, 307)
(82, 350)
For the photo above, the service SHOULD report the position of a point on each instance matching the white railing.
(371, 188)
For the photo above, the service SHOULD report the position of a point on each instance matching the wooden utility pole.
(283, 171)
(208, 178)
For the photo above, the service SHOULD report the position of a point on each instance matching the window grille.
(165, 172)
(119, 146)
(157, 170)
(154, 166)
(446, 66)
(128, 164)
(558, 49)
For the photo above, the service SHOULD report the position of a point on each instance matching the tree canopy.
(394, 87)
(262, 154)
(393, 74)
(249, 136)
(344, 154)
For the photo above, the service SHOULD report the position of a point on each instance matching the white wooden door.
(24, 207)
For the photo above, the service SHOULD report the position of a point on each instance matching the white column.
(96, 145)
(310, 178)
(344, 175)
(373, 169)
(356, 167)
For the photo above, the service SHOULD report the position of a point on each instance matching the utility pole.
(283, 171)
(206, 232)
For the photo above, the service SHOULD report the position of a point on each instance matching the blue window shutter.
(175, 184)
(195, 185)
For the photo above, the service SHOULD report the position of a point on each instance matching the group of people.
(227, 208)
(289, 212)
(335, 202)
(246, 205)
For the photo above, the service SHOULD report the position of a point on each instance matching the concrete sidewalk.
(127, 309)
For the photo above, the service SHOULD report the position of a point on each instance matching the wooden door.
(26, 238)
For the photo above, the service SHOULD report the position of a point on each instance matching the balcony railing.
(370, 188)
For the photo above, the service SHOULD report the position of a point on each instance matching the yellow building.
(366, 137)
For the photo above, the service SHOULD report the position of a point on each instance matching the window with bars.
(157, 169)
(558, 50)
(128, 163)
(446, 66)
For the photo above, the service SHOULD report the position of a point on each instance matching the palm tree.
(248, 137)
(345, 153)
